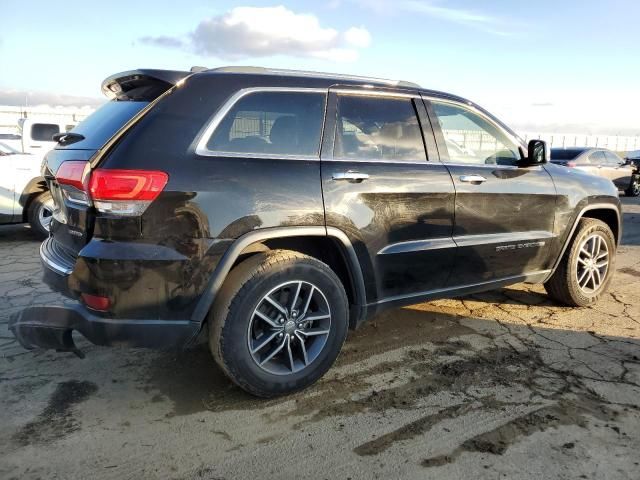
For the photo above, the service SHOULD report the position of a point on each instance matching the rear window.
(562, 154)
(102, 124)
(42, 132)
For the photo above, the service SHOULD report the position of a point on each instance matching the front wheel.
(278, 323)
(40, 212)
(634, 187)
(586, 269)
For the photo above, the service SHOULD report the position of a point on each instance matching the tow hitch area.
(47, 328)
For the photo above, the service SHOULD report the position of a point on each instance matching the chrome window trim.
(492, 166)
(364, 92)
(201, 147)
(472, 108)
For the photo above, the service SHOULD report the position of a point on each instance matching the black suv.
(268, 211)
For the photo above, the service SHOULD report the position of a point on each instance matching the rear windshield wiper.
(67, 138)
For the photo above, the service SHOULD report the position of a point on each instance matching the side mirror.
(538, 153)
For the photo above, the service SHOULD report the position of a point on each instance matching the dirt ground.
(504, 384)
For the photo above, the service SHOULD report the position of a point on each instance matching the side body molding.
(233, 252)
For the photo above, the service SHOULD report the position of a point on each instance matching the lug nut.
(281, 320)
(280, 335)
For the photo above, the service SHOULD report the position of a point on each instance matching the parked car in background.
(36, 135)
(633, 159)
(601, 162)
(267, 211)
(24, 196)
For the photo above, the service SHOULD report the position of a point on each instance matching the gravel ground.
(504, 384)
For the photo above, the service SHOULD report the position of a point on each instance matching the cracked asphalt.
(504, 384)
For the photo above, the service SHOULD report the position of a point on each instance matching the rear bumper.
(57, 266)
(51, 327)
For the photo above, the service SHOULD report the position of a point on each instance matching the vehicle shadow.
(528, 367)
(20, 232)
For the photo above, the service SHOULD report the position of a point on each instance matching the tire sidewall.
(235, 349)
(36, 206)
(576, 292)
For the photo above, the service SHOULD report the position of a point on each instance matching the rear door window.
(272, 123)
(43, 132)
(378, 128)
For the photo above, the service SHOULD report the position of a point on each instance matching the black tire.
(40, 208)
(563, 286)
(231, 316)
(634, 187)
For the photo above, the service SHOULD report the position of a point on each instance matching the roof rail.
(304, 73)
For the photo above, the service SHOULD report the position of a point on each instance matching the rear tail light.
(72, 177)
(125, 192)
(571, 164)
(121, 192)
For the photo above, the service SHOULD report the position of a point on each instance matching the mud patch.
(411, 430)
(497, 441)
(630, 271)
(56, 420)
(193, 382)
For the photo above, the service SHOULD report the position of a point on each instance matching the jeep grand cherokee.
(268, 211)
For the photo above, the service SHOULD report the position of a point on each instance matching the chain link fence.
(611, 142)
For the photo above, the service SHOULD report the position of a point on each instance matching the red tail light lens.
(73, 174)
(126, 184)
(125, 192)
(96, 302)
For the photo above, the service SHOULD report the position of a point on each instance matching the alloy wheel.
(593, 263)
(289, 328)
(45, 213)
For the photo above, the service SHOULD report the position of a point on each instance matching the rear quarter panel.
(207, 204)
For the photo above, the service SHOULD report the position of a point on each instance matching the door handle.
(350, 176)
(475, 179)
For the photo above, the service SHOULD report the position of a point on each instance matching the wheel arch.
(330, 245)
(35, 187)
(608, 213)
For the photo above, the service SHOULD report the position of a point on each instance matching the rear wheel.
(634, 187)
(585, 271)
(278, 323)
(40, 212)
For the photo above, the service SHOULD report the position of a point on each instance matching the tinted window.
(564, 154)
(374, 128)
(42, 132)
(284, 123)
(597, 158)
(102, 124)
(472, 139)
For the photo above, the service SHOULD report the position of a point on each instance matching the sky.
(547, 65)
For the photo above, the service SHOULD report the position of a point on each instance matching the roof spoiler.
(143, 84)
